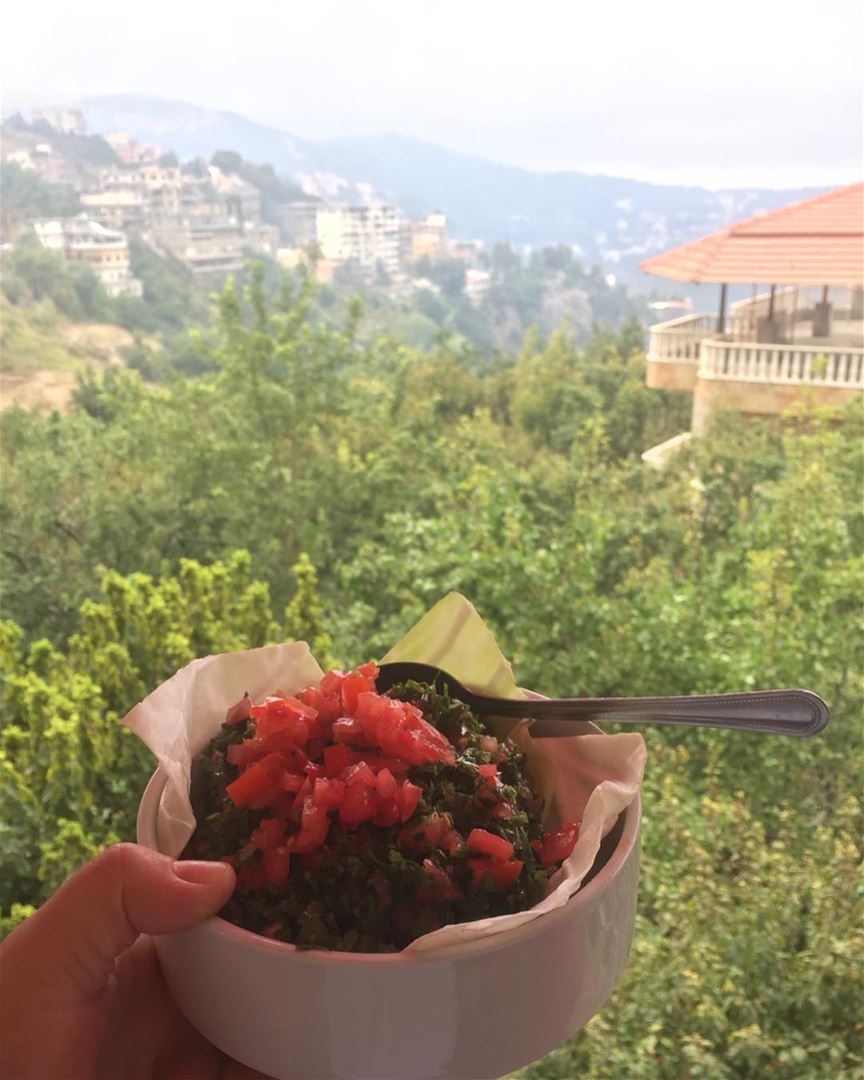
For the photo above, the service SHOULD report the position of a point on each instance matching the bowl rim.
(232, 934)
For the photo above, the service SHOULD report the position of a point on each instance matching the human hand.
(81, 991)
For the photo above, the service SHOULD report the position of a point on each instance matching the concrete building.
(105, 251)
(298, 222)
(129, 150)
(117, 208)
(477, 283)
(429, 236)
(365, 235)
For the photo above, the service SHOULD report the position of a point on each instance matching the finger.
(74, 938)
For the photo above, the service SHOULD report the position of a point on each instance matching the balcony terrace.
(775, 345)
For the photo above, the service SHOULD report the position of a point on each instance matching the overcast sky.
(764, 92)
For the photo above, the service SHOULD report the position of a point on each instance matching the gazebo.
(807, 329)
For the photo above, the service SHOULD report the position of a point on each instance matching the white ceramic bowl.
(468, 1011)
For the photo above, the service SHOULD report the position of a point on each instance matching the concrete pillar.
(856, 303)
(701, 414)
(822, 319)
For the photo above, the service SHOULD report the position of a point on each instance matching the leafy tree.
(25, 195)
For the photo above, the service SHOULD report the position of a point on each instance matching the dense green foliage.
(312, 486)
(549, 289)
(25, 195)
(171, 301)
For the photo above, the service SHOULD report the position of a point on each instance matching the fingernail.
(201, 873)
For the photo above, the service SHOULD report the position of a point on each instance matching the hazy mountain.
(613, 220)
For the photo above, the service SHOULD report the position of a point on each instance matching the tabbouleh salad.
(358, 821)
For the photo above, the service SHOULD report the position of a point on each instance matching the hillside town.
(208, 216)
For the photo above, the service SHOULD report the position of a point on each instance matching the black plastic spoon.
(775, 712)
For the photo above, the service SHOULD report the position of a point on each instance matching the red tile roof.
(819, 241)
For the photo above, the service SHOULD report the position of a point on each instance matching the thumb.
(75, 937)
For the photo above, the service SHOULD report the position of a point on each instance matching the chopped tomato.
(254, 786)
(314, 825)
(558, 845)
(352, 686)
(385, 784)
(239, 712)
(327, 706)
(268, 834)
(348, 730)
(281, 714)
(486, 843)
(495, 873)
(359, 773)
(328, 793)
(357, 806)
(277, 865)
(407, 798)
(489, 771)
(337, 759)
(331, 683)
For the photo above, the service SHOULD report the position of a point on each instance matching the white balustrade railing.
(749, 362)
(679, 339)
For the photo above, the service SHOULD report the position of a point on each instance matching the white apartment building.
(367, 235)
(477, 284)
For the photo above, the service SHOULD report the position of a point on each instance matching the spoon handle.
(777, 712)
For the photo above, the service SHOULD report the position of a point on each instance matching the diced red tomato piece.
(482, 842)
(239, 712)
(348, 730)
(277, 865)
(328, 793)
(337, 759)
(327, 706)
(284, 715)
(385, 784)
(407, 798)
(369, 670)
(352, 686)
(357, 806)
(503, 811)
(557, 845)
(489, 771)
(499, 874)
(292, 781)
(314, 824)
(253, 785)
(331, 683)
(359, 773)
(268, 834)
